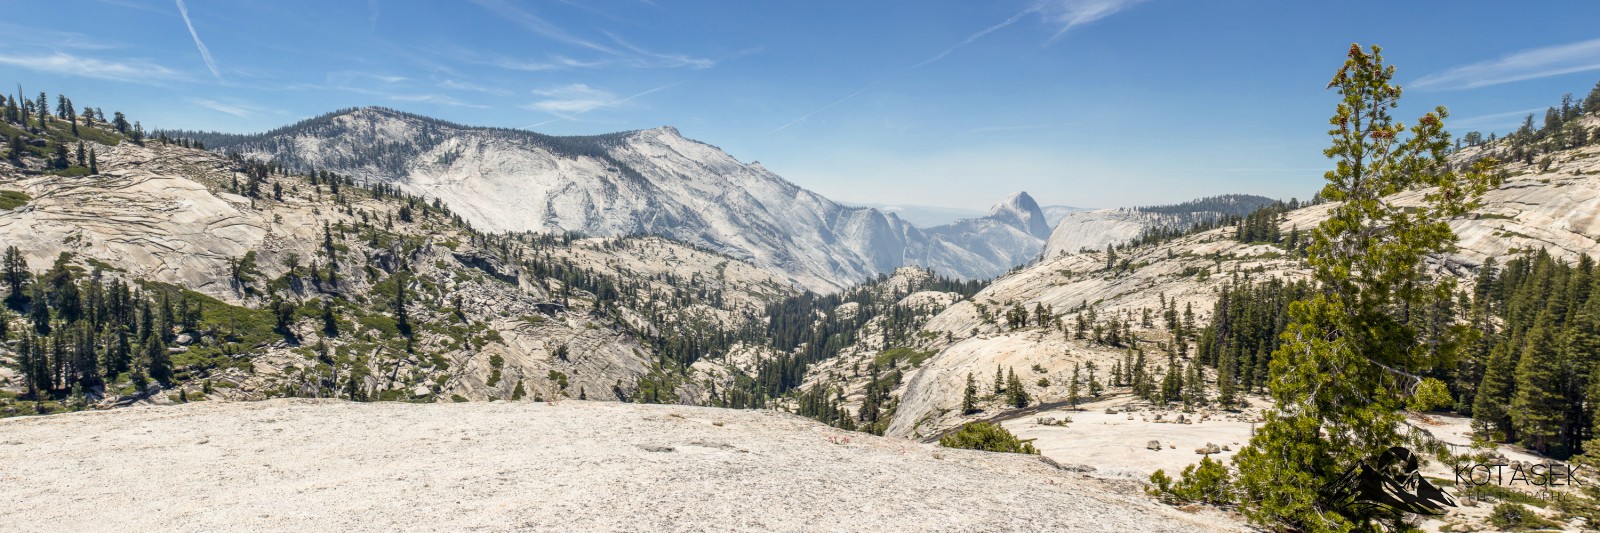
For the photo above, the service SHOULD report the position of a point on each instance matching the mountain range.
(653, 181)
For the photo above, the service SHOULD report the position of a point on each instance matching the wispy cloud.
(536, 24)
(551, 63)
(204, 53)
(1536, 63)
(240, 110)
(354, 77)
(52, 39)
(567, 102)
(621, 52)
(976, 36)
(457, 85)
(137, 71)
(372, 16)
(988, 129)
(135, 5)
(1493, 120)
(1066, 14)
(1069, 14)
(438, 99)
(830, 105)
(647, 58)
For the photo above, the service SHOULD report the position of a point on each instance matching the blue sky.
(1080, 102)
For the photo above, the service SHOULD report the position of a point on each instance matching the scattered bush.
(1206, 482)
(1516, 517)
(987, 437)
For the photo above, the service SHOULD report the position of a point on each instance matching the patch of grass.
(905, 356)
(13, 199)
(71, 172)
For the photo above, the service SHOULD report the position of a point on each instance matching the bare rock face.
(140, 218)
(297, 465)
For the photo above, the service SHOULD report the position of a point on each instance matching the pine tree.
(1591, 103)
(330, 322)
(1015, 395)
(15, 273)
(1349, 361)
(39, 310)
(1072, 388)
(1537, 406)
(1227, 385)
(999, 381)
(155, 354)
(969, 396)
(1194, 385)
(402, 320)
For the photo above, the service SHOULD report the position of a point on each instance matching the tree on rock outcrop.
(1015, 395)
(969, 396)
(1351, 358)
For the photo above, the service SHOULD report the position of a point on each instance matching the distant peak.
(668, 130)
(1019, 204)
(1022, 211)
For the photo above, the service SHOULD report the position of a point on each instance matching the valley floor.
(573, 466)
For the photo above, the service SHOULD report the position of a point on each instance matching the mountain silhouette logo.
(1388, 482)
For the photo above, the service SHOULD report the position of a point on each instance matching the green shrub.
(385, 326)
(495, 364)
(1206, 482)
(1516, 517)
(987, 437)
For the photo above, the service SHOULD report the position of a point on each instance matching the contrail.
(204, 53)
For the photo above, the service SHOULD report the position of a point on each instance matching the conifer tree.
(969, 396)
(1072, 388)
(401, 319)
(1537, 406)
(1350, 361)
(1015, 395)
(14, 272)
(330, 322)
(155, 353)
